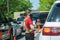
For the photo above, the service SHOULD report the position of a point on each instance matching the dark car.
(43, 16)
(35, 16)
(40, 15)
(20, 22)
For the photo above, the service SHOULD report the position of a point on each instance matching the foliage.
(14, 6)
(45, 5)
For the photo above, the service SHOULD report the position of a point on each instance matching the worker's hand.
(32, 26)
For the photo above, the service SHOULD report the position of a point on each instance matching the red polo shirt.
(28, 22)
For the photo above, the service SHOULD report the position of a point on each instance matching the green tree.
(14, 6)
(45, 5)
(19, 5)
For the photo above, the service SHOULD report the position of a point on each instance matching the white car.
(51, 28)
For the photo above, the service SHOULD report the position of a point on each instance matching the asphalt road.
(22, 37)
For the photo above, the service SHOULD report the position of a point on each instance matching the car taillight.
(51, 31)
(46, 31)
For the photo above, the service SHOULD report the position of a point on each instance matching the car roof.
(39, 12)
(57, 2)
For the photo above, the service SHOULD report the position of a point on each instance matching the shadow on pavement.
(20, 36)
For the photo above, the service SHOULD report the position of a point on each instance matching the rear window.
(35, 16)
(54, 15)
(43, 15)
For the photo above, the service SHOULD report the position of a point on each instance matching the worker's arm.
(32, 26)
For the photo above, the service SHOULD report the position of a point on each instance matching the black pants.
(29, 36)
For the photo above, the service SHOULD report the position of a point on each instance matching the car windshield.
(20, 19)
(54, 15)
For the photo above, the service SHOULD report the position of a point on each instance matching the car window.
(20, 19)
(54, 14)
(35, 15)
(43, 15)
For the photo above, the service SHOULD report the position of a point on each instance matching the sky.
(35, 4)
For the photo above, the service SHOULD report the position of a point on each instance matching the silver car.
(4, 32)
(16, 29)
